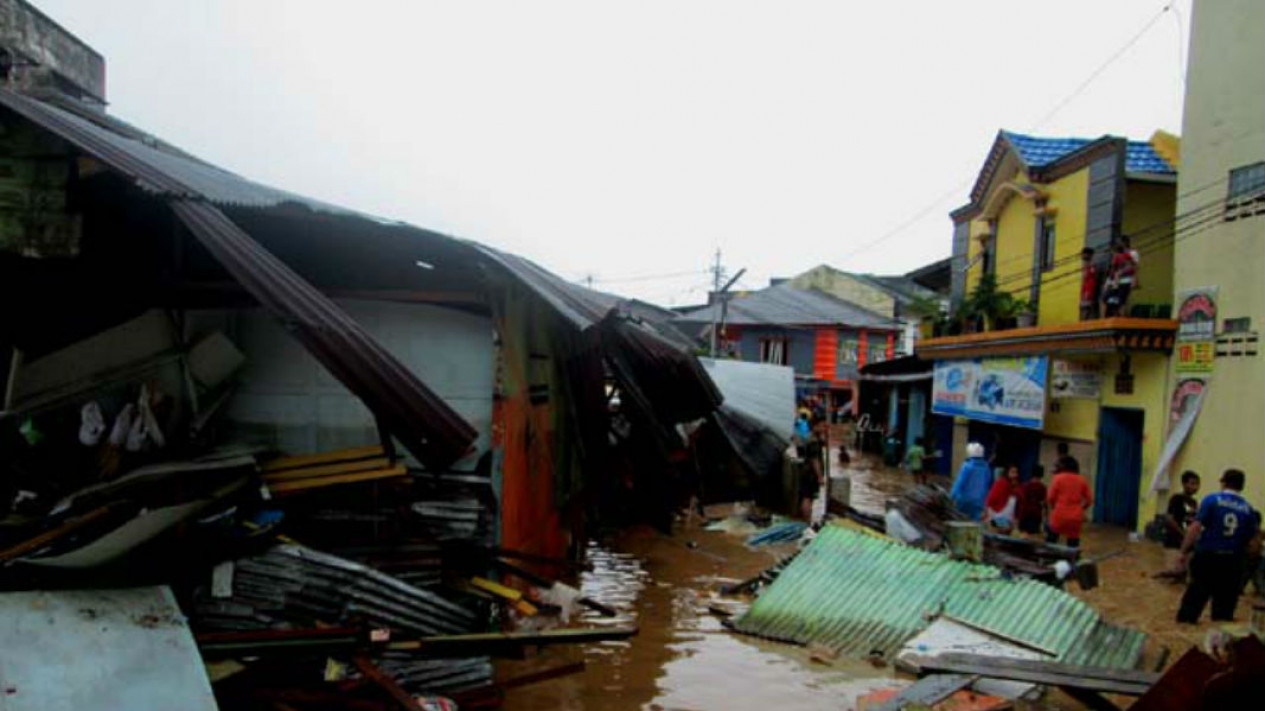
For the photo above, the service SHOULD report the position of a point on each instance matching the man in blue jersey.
(1220, 537)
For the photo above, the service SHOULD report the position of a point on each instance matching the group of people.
(1121, 279)
(1213, 542)
(1007, 504)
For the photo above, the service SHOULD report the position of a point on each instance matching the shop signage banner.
(1183, 410)
(1075, 379)
(1196, 330)
(1005, 391)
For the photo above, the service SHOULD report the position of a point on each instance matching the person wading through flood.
(999, 508)
(914, 463)
(1069, 498)
(1031, 509)
(975, 478)
(811, 476)
(1223, 534)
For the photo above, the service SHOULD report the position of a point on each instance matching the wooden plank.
(484, 643)
(497, 589)
(304, 460)
(543, 582)
(543, 675)
(1092, 699)
(328, 470)
(1107, 673)
(993, 671)
(928, 691)
(66, 528)
(291, 487)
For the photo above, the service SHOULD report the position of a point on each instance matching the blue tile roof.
(1037, 152)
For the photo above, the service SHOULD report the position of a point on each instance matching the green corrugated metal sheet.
(858, 593)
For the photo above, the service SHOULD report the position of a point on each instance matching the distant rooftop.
(786, 305)
(1037, 152)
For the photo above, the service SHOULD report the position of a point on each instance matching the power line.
(1132, 234)
(924, 212)
(1180, 233)
(1101, 68)
(643, 277)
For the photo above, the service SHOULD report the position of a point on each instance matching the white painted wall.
(286, 399)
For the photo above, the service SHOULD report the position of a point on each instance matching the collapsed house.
(195, 364)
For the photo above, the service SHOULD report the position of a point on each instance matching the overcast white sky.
(628, 140)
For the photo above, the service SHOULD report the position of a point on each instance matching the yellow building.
(1046, 375)
(1220, 247)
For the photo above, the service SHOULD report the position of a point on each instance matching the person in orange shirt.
(1069, 497)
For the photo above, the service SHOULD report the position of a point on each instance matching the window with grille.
(1047, 245)
(774, 350)
(1246, 194)
(1248, 180)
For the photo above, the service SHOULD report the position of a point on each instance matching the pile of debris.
(926, 513)
(350, 578)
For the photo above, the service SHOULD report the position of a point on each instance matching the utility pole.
(718, 273)
(722, 295)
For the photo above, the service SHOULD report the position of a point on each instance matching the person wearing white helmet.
(975, 478)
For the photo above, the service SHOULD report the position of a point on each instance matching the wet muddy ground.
(683, 657)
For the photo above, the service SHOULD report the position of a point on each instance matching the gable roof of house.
(785, 305)
(1045, 158)
(901, 287)
(1038, 152)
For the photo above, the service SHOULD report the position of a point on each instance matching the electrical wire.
(930, 208)
(1133, 234)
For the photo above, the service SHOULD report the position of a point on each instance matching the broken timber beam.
(1131, 682)
(501, 642)
(928, 691)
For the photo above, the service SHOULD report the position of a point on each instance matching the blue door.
(1119, 477)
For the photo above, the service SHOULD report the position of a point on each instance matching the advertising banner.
(1076, 379)
(1196, 330)
(1005, 391)
(1184, 407)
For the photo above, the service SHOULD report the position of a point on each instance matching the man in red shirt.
(1089, 285)
(1069, 497)
(1124, 273)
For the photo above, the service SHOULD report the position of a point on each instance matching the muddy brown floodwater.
(683, 658)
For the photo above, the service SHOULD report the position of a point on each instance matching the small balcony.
(1101, 335)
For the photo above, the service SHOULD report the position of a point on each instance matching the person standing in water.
(975, 478)
(1069, 498)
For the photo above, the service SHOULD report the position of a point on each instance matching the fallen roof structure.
(857, 593)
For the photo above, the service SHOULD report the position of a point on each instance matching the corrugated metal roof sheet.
(858, 593)
(422, 421)
(191, 183)
(1035, 151)
(157, 166)
(787, 305)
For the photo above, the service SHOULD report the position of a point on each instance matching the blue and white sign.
(1006, 391)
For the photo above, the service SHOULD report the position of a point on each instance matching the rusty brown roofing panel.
(423, 422)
